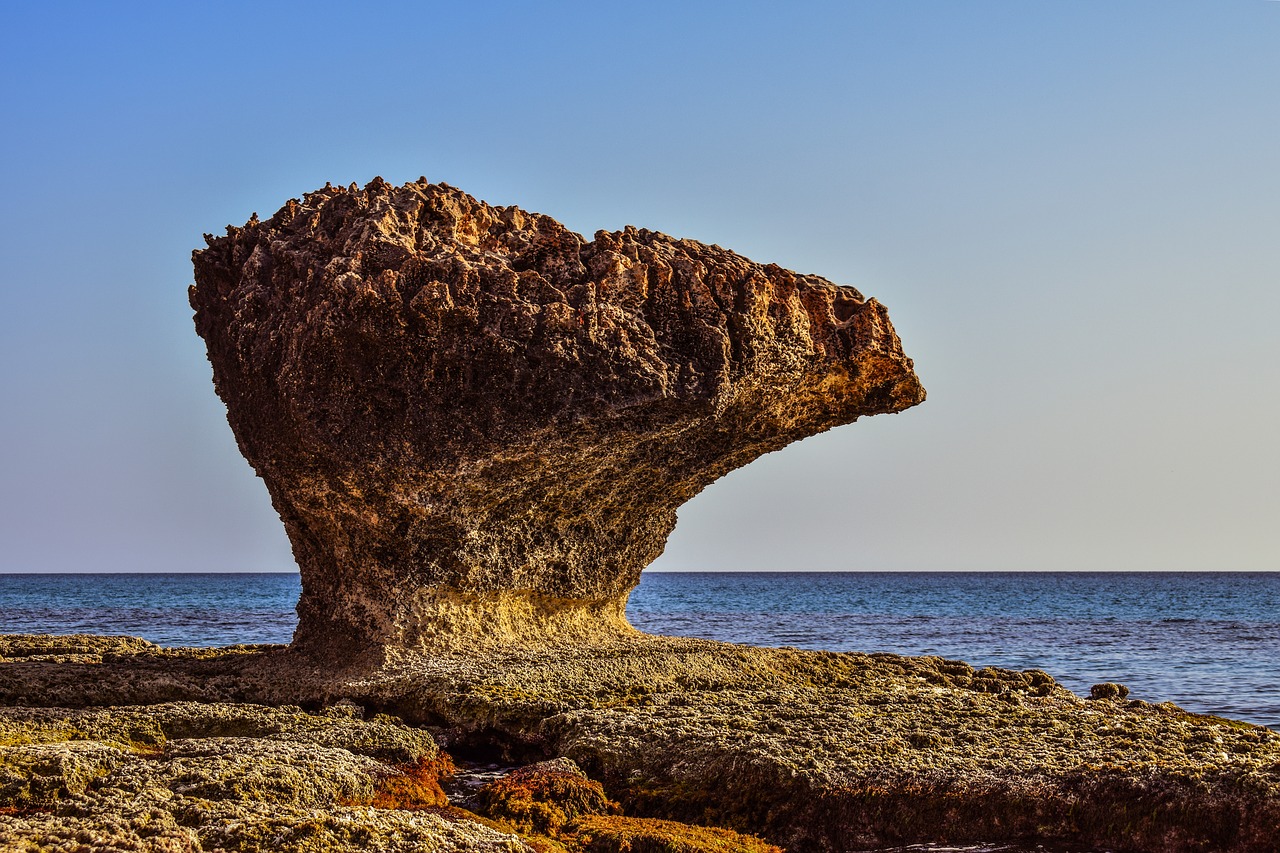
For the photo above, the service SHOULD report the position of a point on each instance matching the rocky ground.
(114, 742)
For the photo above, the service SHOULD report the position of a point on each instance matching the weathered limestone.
(812, 751)
(187, 777)
(477, 426)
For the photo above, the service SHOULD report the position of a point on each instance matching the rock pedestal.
(477, 426)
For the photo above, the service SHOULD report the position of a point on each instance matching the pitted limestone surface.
(197, 777)
(814, 751)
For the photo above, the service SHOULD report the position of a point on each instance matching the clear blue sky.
(1071, 208)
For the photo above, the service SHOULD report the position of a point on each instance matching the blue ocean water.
(168, 609)
(1208, 641)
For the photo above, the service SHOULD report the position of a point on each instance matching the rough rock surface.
(219, 777)
(816, 752)
(553, 803)
(475, 423)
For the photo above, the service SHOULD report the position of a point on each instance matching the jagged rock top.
(449, 399)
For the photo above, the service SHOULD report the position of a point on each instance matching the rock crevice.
(473, 422)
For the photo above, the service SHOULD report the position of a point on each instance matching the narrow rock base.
(442, 621)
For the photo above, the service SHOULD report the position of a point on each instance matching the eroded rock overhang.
(477, 426)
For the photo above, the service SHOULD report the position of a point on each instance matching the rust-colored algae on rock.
(414, 786)
(545, 798)
(556, 808)
(647, 835)
(475, 423)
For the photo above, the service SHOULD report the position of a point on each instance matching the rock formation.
(477, 425)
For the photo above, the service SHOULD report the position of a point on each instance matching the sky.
(1070, 207)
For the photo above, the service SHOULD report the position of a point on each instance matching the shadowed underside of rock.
(476, 425)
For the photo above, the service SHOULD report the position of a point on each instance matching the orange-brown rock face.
(478, 426)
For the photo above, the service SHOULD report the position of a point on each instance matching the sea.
(1208, 641)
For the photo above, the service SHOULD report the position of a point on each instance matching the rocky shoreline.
(477, 427)
(261, 748)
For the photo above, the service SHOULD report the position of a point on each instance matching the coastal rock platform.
(809, 751)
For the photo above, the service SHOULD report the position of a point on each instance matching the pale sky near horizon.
(1070, 208)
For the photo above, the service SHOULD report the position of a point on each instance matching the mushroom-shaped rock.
(478, 426)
